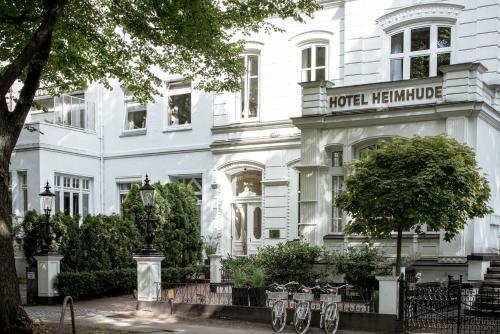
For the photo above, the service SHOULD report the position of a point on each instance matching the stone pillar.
(388, 294)
(477, 266)
(148, 277)
(48, 267)
(215, 268)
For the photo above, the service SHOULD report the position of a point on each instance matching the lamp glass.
(147, 196)
(47, 202)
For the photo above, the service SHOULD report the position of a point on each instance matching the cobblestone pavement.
(120, 313)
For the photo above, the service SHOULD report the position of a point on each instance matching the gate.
(453, 307)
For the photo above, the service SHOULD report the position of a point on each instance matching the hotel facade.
(267, 162)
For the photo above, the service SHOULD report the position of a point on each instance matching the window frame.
(125, 191)
(338, 218)
(246, 77)
(128, 98)
(432, 52)
(84, 186)
(313, 68)
(172, 90)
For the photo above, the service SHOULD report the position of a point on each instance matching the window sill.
(173, 128)
(137, 132)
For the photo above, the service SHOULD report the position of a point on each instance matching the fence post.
(459, 303)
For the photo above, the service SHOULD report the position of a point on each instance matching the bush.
(292, 262)
(359, 265)
(177, 222)
(96, 284)
(178, 275)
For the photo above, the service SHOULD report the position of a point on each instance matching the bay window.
(249, 96)
(418, 52)
(178, 104)
(73, 195)
(313, 63)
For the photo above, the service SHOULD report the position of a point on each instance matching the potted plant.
(257, 290)
(239, 291)
(210, 245)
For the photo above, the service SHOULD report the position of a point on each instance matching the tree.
(405, 184)
(177, 221)
(67, 44)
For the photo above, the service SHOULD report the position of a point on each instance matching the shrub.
(177, 222)
(177, 275)
(358, 265)
(292, 262)
(96, 284)
(245, 271)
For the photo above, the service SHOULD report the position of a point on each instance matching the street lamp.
(47, 198)
(148, 197)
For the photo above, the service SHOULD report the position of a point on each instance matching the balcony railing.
(67, 110)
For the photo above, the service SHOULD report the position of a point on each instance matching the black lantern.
(148, 197)
(47, 198)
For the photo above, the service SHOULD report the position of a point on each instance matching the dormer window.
(313, 59)
(418, 52)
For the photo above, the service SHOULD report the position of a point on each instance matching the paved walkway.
(120, 313)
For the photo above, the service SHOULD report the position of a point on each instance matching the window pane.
(76, 204)
(237, 223)
(420, 39)
(306, 75)
(248, 179)
(419, 67)
(306, 58)
(57, 200)
(397, 43)
(66, 203)
(179, 109)
(136, 119)
(442, 59)
(396, 69)
(444, 37)
(25, 200)
(337, 159)
(257, 223)
(320, 74)
(253, 65)
(320, 56)
(243, 96)
(85, 209)
(253, 99)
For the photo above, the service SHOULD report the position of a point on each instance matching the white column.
(48, 267)
(148, 277)
(388, 294)
(215, 268)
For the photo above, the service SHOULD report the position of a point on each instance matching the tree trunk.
(398, 252)
(13, 318)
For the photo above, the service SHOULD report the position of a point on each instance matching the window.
(195, 182)
(418, 52)
(257, 223)
(337, 158)
(365, 151)
(73, 195)
(248, 181)
(337, 186)
(249, 95)
(23, 191)
(313, 61)
(135, 113)
(123, 190)
(179, 103)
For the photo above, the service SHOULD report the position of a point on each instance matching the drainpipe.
(101, 150)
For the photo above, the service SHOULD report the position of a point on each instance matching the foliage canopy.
(407, 183)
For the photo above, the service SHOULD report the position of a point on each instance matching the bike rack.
(61, 322)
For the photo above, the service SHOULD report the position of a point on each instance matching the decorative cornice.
(56, 149)
(276, 182)
(442, 12)
(156, 152)
(255, 144)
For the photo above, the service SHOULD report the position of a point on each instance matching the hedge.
(105, 283)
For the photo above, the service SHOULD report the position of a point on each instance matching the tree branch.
(14, 70)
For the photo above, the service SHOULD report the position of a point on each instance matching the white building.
(367, 70)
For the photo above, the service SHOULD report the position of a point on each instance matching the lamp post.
(148, 197)
(47, 198)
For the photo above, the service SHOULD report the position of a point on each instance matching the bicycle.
(302, 314)
(330, 315)
(278, 311)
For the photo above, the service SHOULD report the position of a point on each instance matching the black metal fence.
(452, 307)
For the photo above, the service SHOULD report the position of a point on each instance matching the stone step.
(494, 263)
(494, 270)
(495, 276)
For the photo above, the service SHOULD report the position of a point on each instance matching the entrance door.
(246, 228)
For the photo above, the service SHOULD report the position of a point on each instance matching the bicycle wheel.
(278, 316)
(302, 317)
(332, 318)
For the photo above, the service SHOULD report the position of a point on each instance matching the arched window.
(247, 181)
